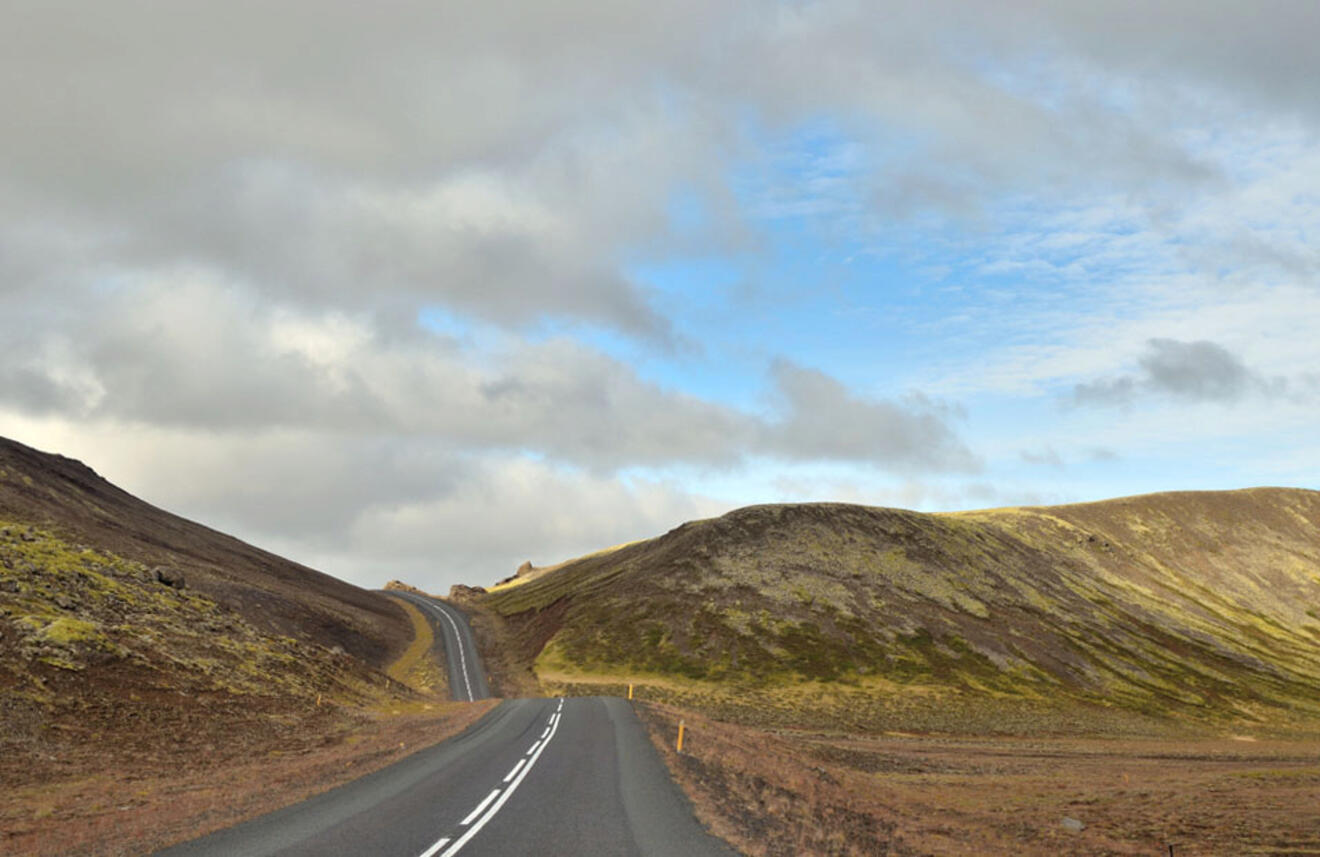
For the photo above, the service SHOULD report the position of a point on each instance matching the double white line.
(462, 655)
(491, 804)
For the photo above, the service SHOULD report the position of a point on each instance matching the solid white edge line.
(490, 813)
(516, 769)
(480, 807)
(458, 638)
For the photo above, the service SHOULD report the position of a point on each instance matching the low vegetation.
(1189, 609)
(136, 711)
(422, 664)
(270, 593)
(159, 680)
(1108, 678)
(1101, 679)
(807, 794)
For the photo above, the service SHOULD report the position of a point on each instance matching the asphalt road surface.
(540, 777)
(467, 680)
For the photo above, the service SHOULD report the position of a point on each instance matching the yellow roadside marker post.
(680, 736)
(630, 690)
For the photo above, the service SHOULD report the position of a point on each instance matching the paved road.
(540, 777)
(537, 777)
(467, 679)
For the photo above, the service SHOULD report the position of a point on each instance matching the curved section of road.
(535, 777)
(467, 679)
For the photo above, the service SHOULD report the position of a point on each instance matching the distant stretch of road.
(539, 777)
(467, 680)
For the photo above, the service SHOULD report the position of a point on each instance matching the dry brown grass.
(135, 809)
(792, 793)
(419, 667)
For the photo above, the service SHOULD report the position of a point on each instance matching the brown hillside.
(274, 594)
(1200, 605)
(158, 678)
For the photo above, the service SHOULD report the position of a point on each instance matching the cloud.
(220, 224)
(1199, 371)
(1046, 457)
(190, 353)
(1196, 370)
(1112, 392)
(368, 509)
(822, 419)
(1259, 52)
(507, 165)
(456, 165)
(498, 516)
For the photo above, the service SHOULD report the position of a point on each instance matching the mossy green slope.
(1201, 604)
(83, 627)
(273, 594)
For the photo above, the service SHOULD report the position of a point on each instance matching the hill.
(274, 594)
(1195, 607)
(105, 601)
(157, 675)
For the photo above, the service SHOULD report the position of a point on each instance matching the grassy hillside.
(273, 594)
(95, 646)
(112, 610)
(1195, 606)
(120, 619)
(158, 678)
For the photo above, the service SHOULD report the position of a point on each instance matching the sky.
(423, 290)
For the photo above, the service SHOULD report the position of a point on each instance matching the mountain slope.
(1200, 604)
(159, 679)
(272, 593)
(128, 634)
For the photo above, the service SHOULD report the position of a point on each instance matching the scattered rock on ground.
(169, 577)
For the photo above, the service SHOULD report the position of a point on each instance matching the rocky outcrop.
(460, 593)
(400, 586)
